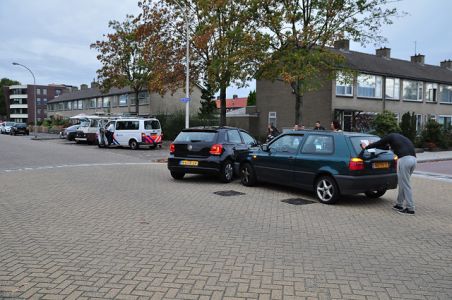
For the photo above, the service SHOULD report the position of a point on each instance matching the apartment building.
(20, 104)
(381, 83)
(93, 101)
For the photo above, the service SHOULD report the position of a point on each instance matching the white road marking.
(434, 176)
(78, 166)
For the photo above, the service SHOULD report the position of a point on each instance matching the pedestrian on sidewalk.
(406, 164)
(318, 126)
(335, 126)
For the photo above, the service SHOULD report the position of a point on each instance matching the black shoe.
(407, 212)
(397, 207)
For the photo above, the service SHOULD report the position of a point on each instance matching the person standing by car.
(272, 132)
(318, 126)
(405, 150)
(336, 126)
(109, 133)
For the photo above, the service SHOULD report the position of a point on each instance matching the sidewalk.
(44, 136)
(427, 156)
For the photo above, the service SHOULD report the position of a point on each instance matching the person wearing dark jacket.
(404, 149)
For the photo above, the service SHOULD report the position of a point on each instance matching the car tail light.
(172, 148)
(216, 149)
(356, 164)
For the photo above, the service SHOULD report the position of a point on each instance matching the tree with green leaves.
(251, 98)
(225, 42)
(408, 125)
(3, 101)
(385, 123)
(302, 32)
(140, 54)
(208, 106)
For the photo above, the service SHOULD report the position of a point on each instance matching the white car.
(6, 127)
(132, 132)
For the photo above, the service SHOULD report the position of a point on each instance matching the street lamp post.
(34, 94)
(187, 66)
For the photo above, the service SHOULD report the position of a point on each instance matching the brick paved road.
(131, 232)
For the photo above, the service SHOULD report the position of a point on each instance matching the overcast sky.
(52, 37)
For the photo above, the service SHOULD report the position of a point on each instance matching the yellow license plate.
(192, 163)
(381, 165)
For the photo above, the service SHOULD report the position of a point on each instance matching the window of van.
(127, 125)
(151, 124)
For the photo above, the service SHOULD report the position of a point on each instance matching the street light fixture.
(187, 66)
(34, 94)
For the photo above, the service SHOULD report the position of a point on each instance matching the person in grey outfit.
(404, 149)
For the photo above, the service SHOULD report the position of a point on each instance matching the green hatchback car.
(329, 163)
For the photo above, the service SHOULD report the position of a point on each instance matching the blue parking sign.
(184, 100)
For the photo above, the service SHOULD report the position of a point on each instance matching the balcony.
(18, 96)
(18, 116)
(18, 106)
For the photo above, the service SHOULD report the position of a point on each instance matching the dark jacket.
(399, 144)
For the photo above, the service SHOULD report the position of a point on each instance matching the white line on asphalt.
(77, 166)
(434, 176)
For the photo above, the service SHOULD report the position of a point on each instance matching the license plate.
(192, 163)
(380, 165)
(153, 135)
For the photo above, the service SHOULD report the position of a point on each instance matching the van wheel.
(133, 145)
(326, 190)
(247, 175)
(375, 194)
(177, 175)
(227, 171)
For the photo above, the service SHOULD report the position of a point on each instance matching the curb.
(433, 159)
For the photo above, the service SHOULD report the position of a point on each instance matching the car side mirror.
(264, 147)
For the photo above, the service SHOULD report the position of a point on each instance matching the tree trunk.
(223, 106)
(296, 86)
(137, 104)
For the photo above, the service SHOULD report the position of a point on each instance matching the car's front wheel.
(247, 175)
(375, 194)
(227, 171)
(326, 190)
(177, 175)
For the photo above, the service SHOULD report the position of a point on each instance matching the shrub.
(385, 123)
(432, 136)
(172, 124)
(408, 126)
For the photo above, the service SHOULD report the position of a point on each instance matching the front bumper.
(349, 185)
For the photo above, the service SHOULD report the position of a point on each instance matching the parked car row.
(14, 128)
(330, 164)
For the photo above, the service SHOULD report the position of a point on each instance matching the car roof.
(346, 133)
(210, 128)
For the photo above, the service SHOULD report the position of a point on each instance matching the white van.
(133, 132)
(89, 126)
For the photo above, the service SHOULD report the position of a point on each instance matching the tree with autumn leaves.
(141, 54)
(233, 41)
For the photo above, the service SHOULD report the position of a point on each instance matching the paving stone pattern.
(132, 232)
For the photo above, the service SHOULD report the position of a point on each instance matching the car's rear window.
(196, 136)
(9, 124)
(358, 140)
(21, 125)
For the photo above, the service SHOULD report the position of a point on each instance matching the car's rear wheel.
(375, 194)
(177, 175)
(133, 144)
(227, 171)
(326, 190)
(247, 175)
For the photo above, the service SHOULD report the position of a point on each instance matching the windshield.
(20, 125)
(9, 123)
(84, 123)
(196, 136)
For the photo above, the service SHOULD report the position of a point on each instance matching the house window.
(69, 106)
(92, 103)
(44, 91)
(38, 111)
(80, 104)
(344, 85)
(418, 123)
(412, 90)
(445, 121)
(38, 101)
(446, 93)
(57, 92)
(44, 100)
(38, 91)
(99, 102)
(123, 100)
(272, 118)
(392, 88)
(106, 102)
(143, 98)
(431, 90)
(369, 86)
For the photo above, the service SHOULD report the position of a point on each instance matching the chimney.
(234, 96)
(343, 44)
(446, 64)
(419, 58)
(383, 52)
(83, 87)
(74, 88)
(94, 84)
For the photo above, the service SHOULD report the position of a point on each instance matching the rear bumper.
(210, 165)
(361, 184)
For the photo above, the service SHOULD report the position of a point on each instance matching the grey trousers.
(405, 167)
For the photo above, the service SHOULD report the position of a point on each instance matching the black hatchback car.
(214, 150)
(19, 128)
(329, 163)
